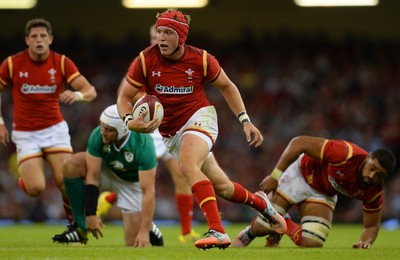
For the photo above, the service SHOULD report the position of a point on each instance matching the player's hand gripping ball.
(150, 103)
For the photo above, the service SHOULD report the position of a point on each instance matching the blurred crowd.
(291, 84)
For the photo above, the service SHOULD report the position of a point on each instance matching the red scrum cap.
(176, 21)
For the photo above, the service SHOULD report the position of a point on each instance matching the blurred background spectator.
(292, 84)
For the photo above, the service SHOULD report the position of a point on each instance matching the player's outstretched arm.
(235, 102)
(4, 135)
(84, 92)
(370, 231)
(147, 183)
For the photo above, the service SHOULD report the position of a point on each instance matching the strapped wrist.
(1, 121)
(79, 95)
(126, 118)
(91, 196)
(276, 174)
(243, 117)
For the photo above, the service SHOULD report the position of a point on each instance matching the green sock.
(76, 190)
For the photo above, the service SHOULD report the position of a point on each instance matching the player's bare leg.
(184, 201)
(33, 176)
(56, 161)
(193, 153)
(316, 222)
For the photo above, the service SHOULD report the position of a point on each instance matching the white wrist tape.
(243, 117)
(1, 121)
(79, 95)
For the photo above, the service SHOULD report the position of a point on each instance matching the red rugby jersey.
(36, 87)
(178, 84)
(338, 172)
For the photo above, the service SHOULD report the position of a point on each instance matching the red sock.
(204, 194)
(241, 195)
(112, 197)
(293, 231)
(67, 208)
(22, 185)
(184, 203)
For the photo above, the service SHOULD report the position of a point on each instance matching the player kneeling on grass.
(130, 168)
(310, 173)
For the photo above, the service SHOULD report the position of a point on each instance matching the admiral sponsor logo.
(174, 90)
(337, 187)
(38, 89)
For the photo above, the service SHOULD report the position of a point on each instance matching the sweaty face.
(167, 40)
(108, 134)
(372, 172)
(38, 42)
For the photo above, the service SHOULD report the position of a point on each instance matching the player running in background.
(36, 77)
(183, 193)
(310, 173)
(130, 171)
(175, 73)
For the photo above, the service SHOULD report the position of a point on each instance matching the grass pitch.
(34, 242)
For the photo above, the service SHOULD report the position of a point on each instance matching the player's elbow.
(91, 94)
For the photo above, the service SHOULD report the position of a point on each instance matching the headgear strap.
(176, 21)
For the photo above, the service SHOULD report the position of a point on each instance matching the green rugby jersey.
(136, 153)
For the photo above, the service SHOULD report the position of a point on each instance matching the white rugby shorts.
(295, 189)
(32, 144)
(161, 150)
(129, 194)
(205, 120)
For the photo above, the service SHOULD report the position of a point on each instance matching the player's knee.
(74, 166)
(35, 190)
(315, 231)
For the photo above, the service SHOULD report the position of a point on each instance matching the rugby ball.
(148, 103)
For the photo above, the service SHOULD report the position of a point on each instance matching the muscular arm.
(312, 146)
(235, 103)
(147, 183)
(83, 86)
(126, 95)
(93, 164)
(4, 135)
(309, 145)
(371, 228)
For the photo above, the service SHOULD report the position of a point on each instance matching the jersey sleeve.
(70, 70)
(135, 75)
(375, 204)
(147, 159)
(213, 68)
(94, 146)
(337, 151)
(5, 73)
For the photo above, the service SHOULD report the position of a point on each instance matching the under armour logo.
(23, 74)
(158, 73)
